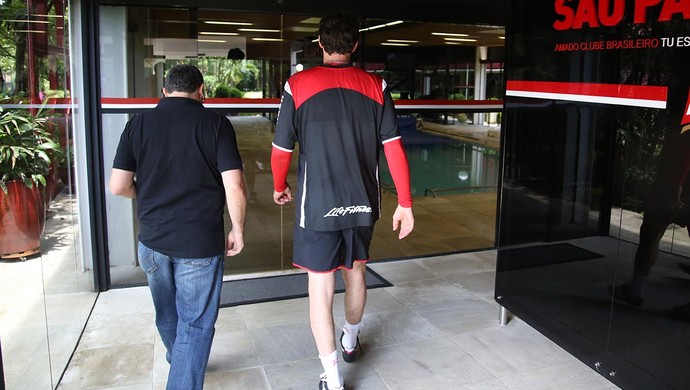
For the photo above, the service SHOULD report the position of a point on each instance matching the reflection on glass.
(45, 284)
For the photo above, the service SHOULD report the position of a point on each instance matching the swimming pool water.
(447, 168)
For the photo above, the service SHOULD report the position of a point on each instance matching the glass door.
(247, 57)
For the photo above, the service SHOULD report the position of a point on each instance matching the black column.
(94, 141)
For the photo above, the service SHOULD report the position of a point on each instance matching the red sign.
(608, 13)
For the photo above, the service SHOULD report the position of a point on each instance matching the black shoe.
(350, 356)
(621, 293)
(685, 267)
(681, 312)
(323, 384)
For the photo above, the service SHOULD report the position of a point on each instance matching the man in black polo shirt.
(187, 168)
(342, 117)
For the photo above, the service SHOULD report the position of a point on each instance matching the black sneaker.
(621, 293)
(323, 384)
(685, 267)
(350, 356)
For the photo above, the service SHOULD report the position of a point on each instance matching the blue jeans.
(186, 295)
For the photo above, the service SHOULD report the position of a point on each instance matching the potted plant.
(27, 153)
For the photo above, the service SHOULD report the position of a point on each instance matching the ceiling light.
(394, 44)
(212, 40)
(302, 29)
(312, 20)
(401, 41)
(501, 37)
(228, 23)
(216, 33)
(381, 25)
(461, 39)
(268, 39)
(257, 30)
(450, 34)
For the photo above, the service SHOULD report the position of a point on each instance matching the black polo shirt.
(178, 150)
(341, 116)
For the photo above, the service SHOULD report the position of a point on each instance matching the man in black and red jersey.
(342, 117)
(669, 198)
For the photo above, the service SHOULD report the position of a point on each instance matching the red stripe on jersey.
(305, 84)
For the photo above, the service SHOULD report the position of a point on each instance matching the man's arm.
(283, 146)
(400, 171)
(280, 165)
(122, 183)
(236, 199)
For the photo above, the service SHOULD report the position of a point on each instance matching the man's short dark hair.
(183, 78)
(338, 33)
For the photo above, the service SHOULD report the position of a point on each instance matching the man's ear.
(355, 48)
(318, 39)
(165, 92)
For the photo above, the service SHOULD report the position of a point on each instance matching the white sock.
(350, 333)
(330, 366)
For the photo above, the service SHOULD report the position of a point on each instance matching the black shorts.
(328, 251)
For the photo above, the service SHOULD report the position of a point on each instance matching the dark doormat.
(275, 288)
(541, 255)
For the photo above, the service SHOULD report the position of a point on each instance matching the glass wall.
(246, 59)
(592, 248)
(46, 281)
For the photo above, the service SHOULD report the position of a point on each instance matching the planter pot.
(22, 217)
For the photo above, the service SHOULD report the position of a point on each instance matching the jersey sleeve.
(286, 134)
(124, 156)
(280, 166)
(227, 153)
(400, 171)
(389, 122)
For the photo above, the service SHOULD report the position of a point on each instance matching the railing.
(434, 191)
(124, 105)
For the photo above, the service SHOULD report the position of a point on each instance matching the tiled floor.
(435, 328)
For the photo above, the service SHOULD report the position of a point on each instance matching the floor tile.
(511, 348)
(98, 368)
(284, 343)
(250, 378)
(435, 328)
(428, 364)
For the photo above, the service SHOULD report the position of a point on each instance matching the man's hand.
(282, 197)
(404, 219)
(677, 202)
(235, 242)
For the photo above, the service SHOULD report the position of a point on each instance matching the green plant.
(27, 148)
(224, 91)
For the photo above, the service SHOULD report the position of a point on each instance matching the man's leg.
(355, 301)
(651, 233)
(199, 283)
(648, 250)
(321, 290)
(355, 292)
(161, 280)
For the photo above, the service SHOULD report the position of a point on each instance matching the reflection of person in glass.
(669, 198)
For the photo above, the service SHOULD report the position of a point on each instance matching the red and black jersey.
(340, 116)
